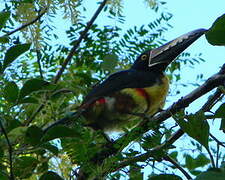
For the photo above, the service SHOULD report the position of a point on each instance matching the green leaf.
(212, 174)
(222, 124)
(165, 177)
(14, 52)
(193, 163)
(4, 16)
(109, 62)
(50, 176)
(4, 39)
(197, 127)
(220, 112)
(33, 135)
(135, 172)
(24, 166)
(10, 92)
(17, 133)
(3, 175)
(53, 149)
(29, 100)
(31, 86)
(216, 34)
(59, 132)
(174, 155)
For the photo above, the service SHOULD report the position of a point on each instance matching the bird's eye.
(144, 57)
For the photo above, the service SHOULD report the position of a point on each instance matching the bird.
(116, 102)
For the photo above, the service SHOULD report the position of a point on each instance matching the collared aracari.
(111, 105)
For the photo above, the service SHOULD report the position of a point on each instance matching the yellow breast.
(156, 97)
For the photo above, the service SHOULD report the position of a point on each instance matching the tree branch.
(28, 23)
(76, 45)
(215, 139)
(172, 161)
(10, 150)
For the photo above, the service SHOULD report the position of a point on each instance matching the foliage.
(30, 99)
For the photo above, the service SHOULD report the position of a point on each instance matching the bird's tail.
(68, 120)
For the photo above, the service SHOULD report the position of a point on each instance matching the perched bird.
(114, 103)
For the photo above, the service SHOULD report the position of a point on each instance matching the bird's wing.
(115, 82)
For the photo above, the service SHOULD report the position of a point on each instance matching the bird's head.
(159, 58)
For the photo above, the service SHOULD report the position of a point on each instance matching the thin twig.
(172, 161)
(39, 62)
(28, 23)
(76, 45)
(10, 150)
(211, 158)
(215, 139)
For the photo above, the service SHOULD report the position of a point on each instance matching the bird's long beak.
(168, 52)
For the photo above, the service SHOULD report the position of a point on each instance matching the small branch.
(76, 45)
(39, 62)
(211, 158)
(28, 23)
(215, 139)
(172, 161)
(29, 120)
(10, 150)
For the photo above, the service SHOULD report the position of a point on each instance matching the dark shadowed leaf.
(14, 52)
(53, 149)
(30, 100)
(3, 175)
(135, 172)
(197, 127)
(24, 166)
(222, 124)
(220, 112)
(212, 174)
(165, 177)
(50, 176)
(4, 16)
(59, 132)
(11, 92)
(33, 135)
(32, 85)
(216, 34)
